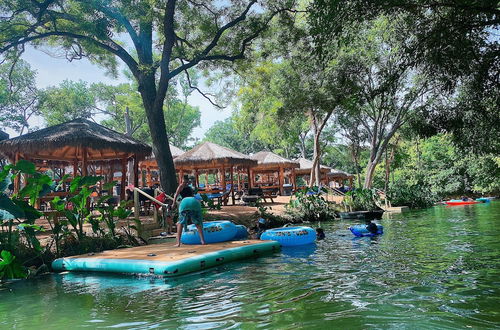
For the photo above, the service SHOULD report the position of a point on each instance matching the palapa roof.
(339, 174)
(67, 142)
(306, 165)
(151, 160)
(267, 160)
(210, 155)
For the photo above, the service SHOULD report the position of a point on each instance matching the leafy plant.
(308, 204)
(10, 267)
(361, 200)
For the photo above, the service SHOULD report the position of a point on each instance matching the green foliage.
(308, 204)
(68, 101)
(226, 133)
(360, 199)
(18, 95)
(10, 268)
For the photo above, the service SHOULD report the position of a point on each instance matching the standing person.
(189, 210)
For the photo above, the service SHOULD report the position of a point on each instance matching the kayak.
(461, 202)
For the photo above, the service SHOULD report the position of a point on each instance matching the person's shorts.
(190, 215)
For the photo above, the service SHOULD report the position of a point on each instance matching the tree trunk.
(161, 148)
(128, 132)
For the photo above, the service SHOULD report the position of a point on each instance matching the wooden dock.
(165, 259)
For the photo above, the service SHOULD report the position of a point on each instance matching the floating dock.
(165, 259)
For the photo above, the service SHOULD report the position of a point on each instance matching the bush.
(404, 193)
(362, 200)
(309, 205)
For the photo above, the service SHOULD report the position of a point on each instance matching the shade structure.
(271, 163)
(77, 141)
(306, 165)
(210, 156)
(338, 176)
(305, 170)
(67, 142)
(149, 166)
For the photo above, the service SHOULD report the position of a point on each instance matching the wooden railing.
(137, 205)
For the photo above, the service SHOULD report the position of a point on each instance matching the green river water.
(436, 268)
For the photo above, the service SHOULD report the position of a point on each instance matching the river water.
(434, 268)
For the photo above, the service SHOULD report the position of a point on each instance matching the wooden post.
(123, 181)
(149, 182)
(249, 178)
(75, 168)
(232, 185)
(196, 180)
(136, 205)
(84, 163)
(223, 179)
(136, 172)
(281, 179)
(17, 181)
(294, 180)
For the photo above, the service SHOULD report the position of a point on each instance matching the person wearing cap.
(189, 210)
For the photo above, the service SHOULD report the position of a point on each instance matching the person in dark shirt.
(320, 234)
(371, 227)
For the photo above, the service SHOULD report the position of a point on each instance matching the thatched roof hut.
(210, 155)
(269, 160)
(68, 141)
(306, 165)
(338, 174)
(271, 163)
(150, 165)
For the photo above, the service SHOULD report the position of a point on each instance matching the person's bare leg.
(202, 236)
(178, 235)
(170, 225)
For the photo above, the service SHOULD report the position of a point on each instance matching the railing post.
(136, 204)
(155, 210)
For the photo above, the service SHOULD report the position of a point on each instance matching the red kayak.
(462, 202)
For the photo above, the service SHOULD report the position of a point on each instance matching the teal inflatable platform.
(164, 268)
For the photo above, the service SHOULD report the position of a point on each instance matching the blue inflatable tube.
(290, 236)
(213, 231)
(241, 232)
(360, 230)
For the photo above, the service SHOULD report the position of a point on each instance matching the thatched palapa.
(67, 141)
(210, 155)
(306, 165)
(269, 160)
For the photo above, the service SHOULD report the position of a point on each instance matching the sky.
(52, 71)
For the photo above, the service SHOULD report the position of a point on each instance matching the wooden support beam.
(232, 185)
(123, 181)
(149, 180)
(249, 172)
(136, 171)
(281, 179)
(75, 168)
(84, 163)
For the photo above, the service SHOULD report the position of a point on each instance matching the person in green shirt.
(189, 210)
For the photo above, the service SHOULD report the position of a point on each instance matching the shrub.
(310, 205)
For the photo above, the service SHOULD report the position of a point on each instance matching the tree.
(168, 38)
(259, 115)
(68, 101)
(226, 134)
(454, 42)
(18, 95)
(385, 89)
(125, 113)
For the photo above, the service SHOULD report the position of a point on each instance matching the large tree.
(19, 95)
(167, 38)
(454, 41)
